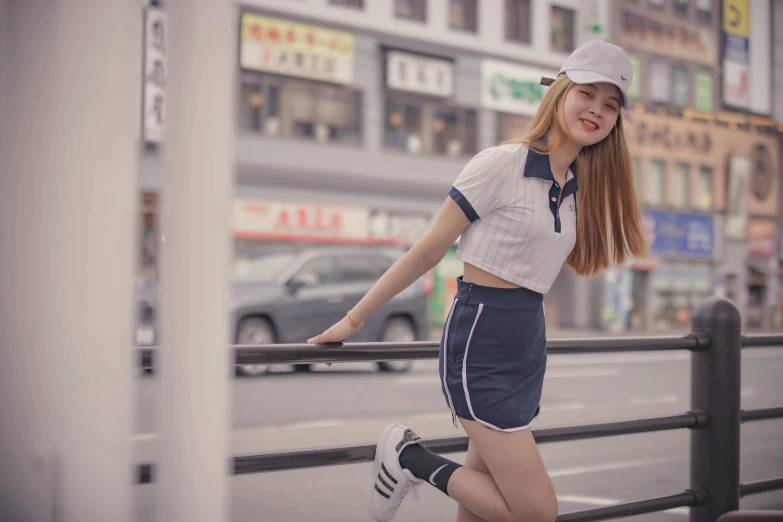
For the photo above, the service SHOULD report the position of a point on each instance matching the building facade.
(354, 117)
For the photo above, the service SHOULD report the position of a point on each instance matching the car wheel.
(299, 368)
(398, 330)
(254, 330)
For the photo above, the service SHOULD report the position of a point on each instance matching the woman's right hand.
(337, 333)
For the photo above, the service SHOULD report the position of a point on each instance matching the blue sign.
(736, 49)
(680, 236)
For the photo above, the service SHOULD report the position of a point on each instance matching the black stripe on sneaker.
(387, 473)
(390, 488)
(381, 492)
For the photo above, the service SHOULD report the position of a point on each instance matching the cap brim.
(594, 77)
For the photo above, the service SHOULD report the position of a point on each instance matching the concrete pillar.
(193, 412)
(69, 80)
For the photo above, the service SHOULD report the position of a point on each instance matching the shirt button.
(554, 199)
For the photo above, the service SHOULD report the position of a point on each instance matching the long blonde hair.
(607, 210)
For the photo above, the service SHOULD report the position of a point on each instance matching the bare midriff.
(480, 277)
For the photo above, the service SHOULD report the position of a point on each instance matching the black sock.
(423, 464)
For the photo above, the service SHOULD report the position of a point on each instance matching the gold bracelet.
(354, 323)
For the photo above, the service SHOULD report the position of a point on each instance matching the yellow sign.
(736, 17)
(293, 49)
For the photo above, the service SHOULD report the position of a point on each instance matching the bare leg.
(472, 461)
(518, 489)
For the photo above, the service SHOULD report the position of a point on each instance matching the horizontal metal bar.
(761, 486)
(364, 352)
(639, 507)
(761, 414)
(762, 340)
(335, 456)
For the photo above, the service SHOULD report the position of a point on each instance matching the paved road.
(350, 403)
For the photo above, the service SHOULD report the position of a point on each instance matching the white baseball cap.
(598, 61)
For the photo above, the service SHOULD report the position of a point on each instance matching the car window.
(360, 268)
(321, 267)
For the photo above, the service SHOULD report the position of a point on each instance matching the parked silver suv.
(290, 297)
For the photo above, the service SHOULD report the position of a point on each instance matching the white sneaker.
(390, 483)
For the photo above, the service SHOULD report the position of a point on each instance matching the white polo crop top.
(517, 232)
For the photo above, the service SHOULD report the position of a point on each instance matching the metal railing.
(714, 419)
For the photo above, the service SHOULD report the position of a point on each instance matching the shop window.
(281, 107)
(638, 177)
(562, 29)
(511, 126)
(704, 10)
(681, 7)
(705, 188)
(425, 127)
(356, 4)
(659, 86)
(518, 20)
(681, 188)
(656, 182)
(680, 86)
(463, 15)
(411, 9)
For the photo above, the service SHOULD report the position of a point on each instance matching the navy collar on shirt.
(538, 166)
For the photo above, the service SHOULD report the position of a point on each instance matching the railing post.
(715, 390)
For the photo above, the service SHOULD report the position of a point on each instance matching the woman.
(515, 208)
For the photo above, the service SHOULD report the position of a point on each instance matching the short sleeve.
(484, 182)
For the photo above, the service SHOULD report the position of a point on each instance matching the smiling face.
(589, 112)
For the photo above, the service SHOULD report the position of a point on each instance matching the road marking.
(576, 374)
(646, 401)
(610, 466)
(145, 436)
(421, 379)
(562, 406)
(593, 360)
(602, 501)
(555, 374)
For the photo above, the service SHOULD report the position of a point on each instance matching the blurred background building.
(355, 116)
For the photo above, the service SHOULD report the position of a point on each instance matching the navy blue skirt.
(493, 355)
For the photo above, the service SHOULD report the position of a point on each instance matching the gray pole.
(715, 390)
(69, 84)
(193, 412)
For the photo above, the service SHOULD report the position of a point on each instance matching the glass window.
(425, 127)
(403, 126)
(284, 107)
(321, 267)
(656, 182)
(702, 87)
(411, 9)
(562, 29)
(463, 15)
(638, 177)
(359, 268)
(262, 269)
(681, 192)
(356, 4)
(659, 88)
(680, 87)
(705, 187)
(636, 82)
(704, 10)
(518, 20)
(681, 7)
(511, 126)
